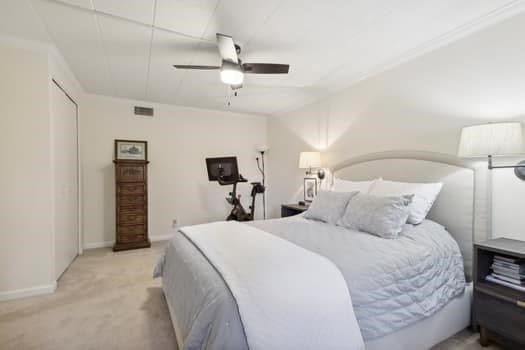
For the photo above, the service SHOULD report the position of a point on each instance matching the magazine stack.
(509, 272)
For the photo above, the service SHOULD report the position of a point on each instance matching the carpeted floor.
(108, 300)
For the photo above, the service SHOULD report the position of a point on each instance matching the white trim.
(106, 244)
(28, 292)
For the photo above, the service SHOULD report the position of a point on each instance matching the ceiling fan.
(233, 69)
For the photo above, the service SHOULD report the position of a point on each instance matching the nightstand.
(292, 209)
(498, 309)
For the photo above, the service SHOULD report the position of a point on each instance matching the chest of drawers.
(131, 184)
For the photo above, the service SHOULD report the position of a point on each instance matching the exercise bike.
(224, 170)
(238, 213)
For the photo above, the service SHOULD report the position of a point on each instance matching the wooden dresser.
(131, 183)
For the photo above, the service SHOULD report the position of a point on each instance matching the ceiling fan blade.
(227, 48)
(184, 66)
(265, 68)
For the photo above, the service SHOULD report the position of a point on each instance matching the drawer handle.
(520, 303)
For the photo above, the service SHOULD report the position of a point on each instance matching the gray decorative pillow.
(329, 206)
(381, 216)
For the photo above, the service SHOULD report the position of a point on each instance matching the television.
(224, 167)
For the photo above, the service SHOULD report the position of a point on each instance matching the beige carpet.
(108, 300)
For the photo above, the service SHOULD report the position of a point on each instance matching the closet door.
(65, 165)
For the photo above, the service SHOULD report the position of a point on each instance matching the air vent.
(145, 111)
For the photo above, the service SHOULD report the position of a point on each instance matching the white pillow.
(329, 206)
(383, 216)
(353, 186)
(424, 196)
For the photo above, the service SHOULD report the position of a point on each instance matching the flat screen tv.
(224, 167)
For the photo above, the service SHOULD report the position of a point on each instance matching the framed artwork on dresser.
(131, 150)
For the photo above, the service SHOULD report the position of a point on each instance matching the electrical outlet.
(174, 223)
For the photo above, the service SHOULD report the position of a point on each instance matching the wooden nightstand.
(498, 309)
(292, 209)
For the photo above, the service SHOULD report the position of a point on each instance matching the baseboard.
(28, 292)
(95, 245)
(161, 237)
(106, 244)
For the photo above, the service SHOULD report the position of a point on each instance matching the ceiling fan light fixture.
(232, 69)
(232, 76)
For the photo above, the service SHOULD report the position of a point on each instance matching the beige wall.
(179, 139)
(420, 105)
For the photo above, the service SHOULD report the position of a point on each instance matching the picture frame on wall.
(131, 150)
(310, 188)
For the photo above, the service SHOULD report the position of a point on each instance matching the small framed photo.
(310, 188)
(131, 150)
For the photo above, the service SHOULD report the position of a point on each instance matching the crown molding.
(458, 33)
(491, 18)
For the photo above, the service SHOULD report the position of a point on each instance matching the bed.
(408, 293)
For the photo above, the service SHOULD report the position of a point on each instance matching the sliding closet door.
(65, 162)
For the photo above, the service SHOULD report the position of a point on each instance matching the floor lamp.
(262, 150)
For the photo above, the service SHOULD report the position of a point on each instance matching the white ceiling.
(126, 48)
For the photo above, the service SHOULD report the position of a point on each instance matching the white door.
(65, 162)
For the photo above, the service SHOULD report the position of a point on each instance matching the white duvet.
(288, 297)
(393, 282)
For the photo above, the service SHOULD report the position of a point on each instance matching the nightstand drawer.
(500, 316)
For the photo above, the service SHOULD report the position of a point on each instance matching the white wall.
(25, 210)
(420, 105)
(179, 140)
(26, 218)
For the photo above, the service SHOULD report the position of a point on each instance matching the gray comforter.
(393, 283)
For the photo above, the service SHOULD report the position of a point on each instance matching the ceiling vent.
(144, 111)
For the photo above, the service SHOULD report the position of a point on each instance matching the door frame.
(80, 247)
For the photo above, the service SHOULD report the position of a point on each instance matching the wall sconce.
(311, 160)
(493, 139)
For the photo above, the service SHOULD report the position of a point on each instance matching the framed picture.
(131, 150)
(310, 188)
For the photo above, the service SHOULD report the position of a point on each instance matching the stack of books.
(509, 272)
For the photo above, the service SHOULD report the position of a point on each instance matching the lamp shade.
(309, 160)
(494, 139)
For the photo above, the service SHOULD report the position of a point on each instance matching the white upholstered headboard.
(463, 204)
